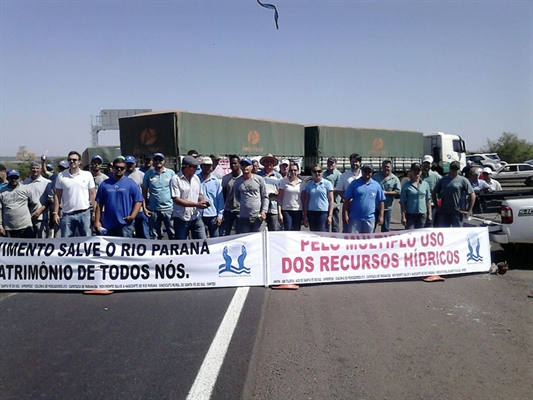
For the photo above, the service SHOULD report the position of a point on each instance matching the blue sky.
(457, 67)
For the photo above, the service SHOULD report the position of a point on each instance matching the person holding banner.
(290, 200)
(250, 192)
(212, 192)
(318, 202)
(118, 202)
(415, 200)
(361, 199)
(231, 207)
(347, 177)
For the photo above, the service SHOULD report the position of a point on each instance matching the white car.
(491, 160)
(515, 172)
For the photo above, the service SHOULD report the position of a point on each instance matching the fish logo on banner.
(471, 256)
(229, 253)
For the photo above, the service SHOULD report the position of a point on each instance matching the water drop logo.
(471, 256)
(229, 253)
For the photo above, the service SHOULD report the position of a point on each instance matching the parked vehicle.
(491, 160)
(529, 161)
(515, 172)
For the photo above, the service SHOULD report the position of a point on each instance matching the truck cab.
(445, 148)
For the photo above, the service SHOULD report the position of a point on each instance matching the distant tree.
(510, 148)
(25, 155)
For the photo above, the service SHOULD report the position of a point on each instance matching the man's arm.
(57, 202)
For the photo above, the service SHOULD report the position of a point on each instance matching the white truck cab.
(445, 148)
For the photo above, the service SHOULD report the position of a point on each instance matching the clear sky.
(463, 67)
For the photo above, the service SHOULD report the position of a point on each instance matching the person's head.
(147, 162)
(216, 159)
(131, 163)
(119, 167)
(193, 153)
(487, 174)
(367, 172)
(3, 173)
(35, 170)
(206, 164)
(96, 163)
(454, 168)
(332, 164)
(415, 171)
(13, 176)
(74, 160)
(293, 171)
(234, 163)
(355, 161)
(473, 174)
(255, 165)
(50, 169)
(246, 166)
(269, 162)
(316, 172)
(426, 162)
(158, 161)
(62, 165)
(189, 165)
(284, 167)
(386, 167)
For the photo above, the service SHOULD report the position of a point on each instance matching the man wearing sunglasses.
(118, 202)
(75, 192)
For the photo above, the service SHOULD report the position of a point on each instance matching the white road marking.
(3, 297)
(207, 376)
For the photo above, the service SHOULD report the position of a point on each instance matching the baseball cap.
(368, 166)
(246, 161)
(130, 159)
(13, 172)
(455, 165)
(332, 160)
(158, 155)
(487, 170)
(63, 164)
(416, 165)
(189, 160)
(427, 158)
(49, 167)
(285, 162)
(206, 161)
(97, 157)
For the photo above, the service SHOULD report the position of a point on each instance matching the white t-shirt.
(75, 196)
(346, 178)
(292, 195)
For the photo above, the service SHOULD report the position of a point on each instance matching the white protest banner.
(315, 257)
(118, 263)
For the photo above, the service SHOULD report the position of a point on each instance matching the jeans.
(449, 220)
(26, 233)
(40, 228)
(251, 224)
(415, 221)
(335, 220)
(141, 226)
(211, 226)
(121, 231)
(272, 222)
(386, 220)
(361, 226)
(230, 219)
(79, 222)
(317, 221)
(156, 219)
(195, 227)
(292, 220)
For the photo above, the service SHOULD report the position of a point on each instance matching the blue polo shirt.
(318, 195)
(364, 197)
(415, 198)
(158, 185)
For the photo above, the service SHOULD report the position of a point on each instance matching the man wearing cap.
(360, 200)
(186, 190)
(347, 177)
(250, 192)
(96, 165)
(17, 202)
(141, 228)
(118, 201)
(495, 186)
(75, 192)
(3, 176)
(431, 178)
(391, 188)
(231, 207)
(157, 197)
(333, 175)
(43, 189)
(212, 192)
(284, 168)
(453, 190)
(272, 181)
(415, 200)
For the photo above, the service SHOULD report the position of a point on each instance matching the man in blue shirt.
(360, 201)
(118, 202)
(212, 191)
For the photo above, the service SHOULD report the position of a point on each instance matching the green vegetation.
(510, 148)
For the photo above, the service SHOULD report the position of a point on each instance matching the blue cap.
(97, 157)
(63, 164)
(246, 161)
(13, 172)
(367, 166)
(130, 159)
(49, 167)
(159, 155)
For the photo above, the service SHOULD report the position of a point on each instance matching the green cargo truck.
(176, 132)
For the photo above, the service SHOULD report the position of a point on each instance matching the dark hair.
(118, 160)
(192, 153)
(234, 156)
(74, 152)
(356, 156)
(2, 167)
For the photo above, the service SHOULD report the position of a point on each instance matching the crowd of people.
(199, 201)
